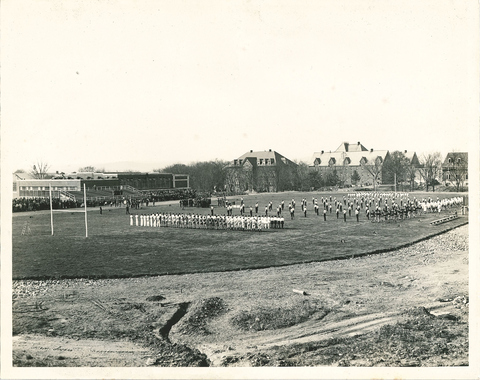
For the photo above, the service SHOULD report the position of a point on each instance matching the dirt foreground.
(403, 308)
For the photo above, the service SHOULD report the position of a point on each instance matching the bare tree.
(87, 169)
(410, 174)
(373, 168)
(39, 170)
(431, 167)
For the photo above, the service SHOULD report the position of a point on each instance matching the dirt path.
(310, 331)
(63, 351)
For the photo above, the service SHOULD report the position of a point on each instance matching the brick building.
(262, 171)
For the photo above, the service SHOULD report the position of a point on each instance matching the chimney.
(358, 143)
(322, 151)
(371, 150)
(269, 150)
(251, 151)
(405, 151)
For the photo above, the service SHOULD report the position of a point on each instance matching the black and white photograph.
(240, 189)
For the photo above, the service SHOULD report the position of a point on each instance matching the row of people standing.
(206, 221)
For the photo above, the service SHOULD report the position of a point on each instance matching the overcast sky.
(160, 82)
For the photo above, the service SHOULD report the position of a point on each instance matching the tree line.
(210, 176)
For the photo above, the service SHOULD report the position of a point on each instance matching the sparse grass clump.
(272, 318)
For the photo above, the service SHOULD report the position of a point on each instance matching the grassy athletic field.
(116, 249)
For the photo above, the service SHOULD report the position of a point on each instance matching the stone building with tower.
(354, 164)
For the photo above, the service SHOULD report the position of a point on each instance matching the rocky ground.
(403, 308)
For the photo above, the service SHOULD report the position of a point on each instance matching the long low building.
(112, 182)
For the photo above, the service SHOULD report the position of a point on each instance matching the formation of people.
(371, 206)
(375, 206)
(210, 221)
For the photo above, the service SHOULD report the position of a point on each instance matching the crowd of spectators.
(169, 195)
(36, 204)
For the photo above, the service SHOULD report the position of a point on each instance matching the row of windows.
(260, 161)
(447, 176)
(450, 161)
(332, 161)
(44, 188)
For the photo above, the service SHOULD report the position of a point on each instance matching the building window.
(272, 161)
(235, 162)
(261, 161)
(239, 162)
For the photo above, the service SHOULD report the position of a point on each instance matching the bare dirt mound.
(341, 330)
(198, 317)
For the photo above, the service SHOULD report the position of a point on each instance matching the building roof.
(348, 147)
(324, 158)
(463, 156)
(260, 154)
(412, 157)
(254, 158)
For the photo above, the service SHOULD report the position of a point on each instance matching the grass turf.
(116, 249)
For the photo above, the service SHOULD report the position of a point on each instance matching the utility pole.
(51, 207)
